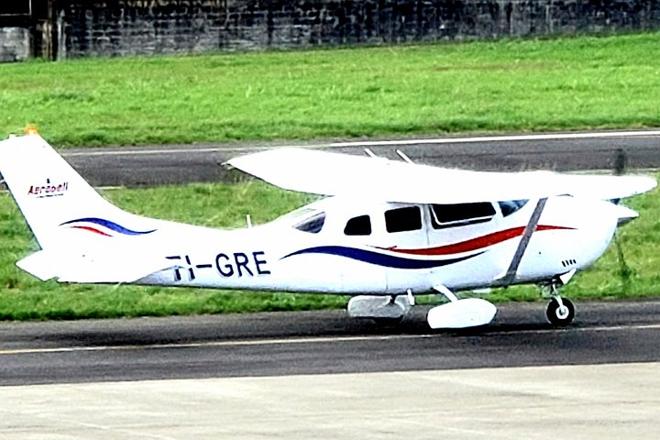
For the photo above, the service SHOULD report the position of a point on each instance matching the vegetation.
(565, 83)
(23, 297)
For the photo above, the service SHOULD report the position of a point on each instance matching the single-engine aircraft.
(384, 232)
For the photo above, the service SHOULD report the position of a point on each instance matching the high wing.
(335, 174)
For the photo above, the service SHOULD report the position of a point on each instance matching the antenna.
(403, 156)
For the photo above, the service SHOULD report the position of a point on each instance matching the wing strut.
(404, 157)
(510, 275)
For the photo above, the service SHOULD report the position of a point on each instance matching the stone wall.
(75, 28)
(14, 44)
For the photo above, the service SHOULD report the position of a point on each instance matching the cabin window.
(360, 225)
(508, 207)
(403, 219)
(445, 216)
(312, 224)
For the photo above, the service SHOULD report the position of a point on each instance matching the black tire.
(557, 317)
(387, 322)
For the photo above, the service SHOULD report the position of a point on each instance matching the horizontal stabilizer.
(39, 265)
(89, 268)
(335, 174)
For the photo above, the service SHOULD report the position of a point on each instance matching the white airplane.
(385, 232)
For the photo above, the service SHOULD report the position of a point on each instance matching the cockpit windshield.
(312, 224)
(508, 207)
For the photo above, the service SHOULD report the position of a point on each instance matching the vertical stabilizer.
(54, 198)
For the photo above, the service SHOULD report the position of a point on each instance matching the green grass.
(510, 85)
(23, 297)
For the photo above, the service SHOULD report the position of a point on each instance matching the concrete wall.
(119, 27)
(75, 28)
(14, 44)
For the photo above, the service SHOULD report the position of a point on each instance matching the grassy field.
(565, 83)
(23, 297)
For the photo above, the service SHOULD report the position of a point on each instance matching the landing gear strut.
(560, 311)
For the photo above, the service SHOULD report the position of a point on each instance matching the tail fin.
(54, 198)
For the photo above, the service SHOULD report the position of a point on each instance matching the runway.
(327, 342)
(322, 375)
(174, 164)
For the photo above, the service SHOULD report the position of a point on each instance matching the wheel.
(560, 316)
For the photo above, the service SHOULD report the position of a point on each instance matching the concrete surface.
(563, 402)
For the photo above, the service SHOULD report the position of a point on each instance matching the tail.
(53, 197)
(66, 215)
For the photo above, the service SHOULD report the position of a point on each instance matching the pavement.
(175, 164)
(319, 342)
(578, 402)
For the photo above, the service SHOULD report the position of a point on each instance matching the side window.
(508, 207)
(403, 219)
(313, 224)
(360, 225)
(445, 216)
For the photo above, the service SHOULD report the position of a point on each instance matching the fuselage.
(343, 246)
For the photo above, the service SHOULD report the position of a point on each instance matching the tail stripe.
(107, 224)
(91, 229)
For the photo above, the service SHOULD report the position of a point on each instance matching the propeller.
(625, 271)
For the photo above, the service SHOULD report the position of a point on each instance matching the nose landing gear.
(560, 311)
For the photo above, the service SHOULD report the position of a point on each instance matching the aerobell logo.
(49, 189)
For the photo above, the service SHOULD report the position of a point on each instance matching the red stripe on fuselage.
(475, 243)
(91, 229)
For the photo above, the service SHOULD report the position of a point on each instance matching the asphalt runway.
(327, 342)
(174, 164)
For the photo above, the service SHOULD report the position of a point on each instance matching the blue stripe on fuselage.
(378, 258)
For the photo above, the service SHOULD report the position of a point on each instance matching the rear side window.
(403, 219)
(360, 225)
(444, 216)
(312, 224)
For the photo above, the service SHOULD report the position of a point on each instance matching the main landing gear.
(560, 311)
(382, 309)
(460, 313)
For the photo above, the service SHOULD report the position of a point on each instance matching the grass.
(23, 297)
(509, 85)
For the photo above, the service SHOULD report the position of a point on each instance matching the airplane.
(382, 232)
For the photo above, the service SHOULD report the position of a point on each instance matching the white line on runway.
(214, 344)
(384, 143)
(312, 340)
